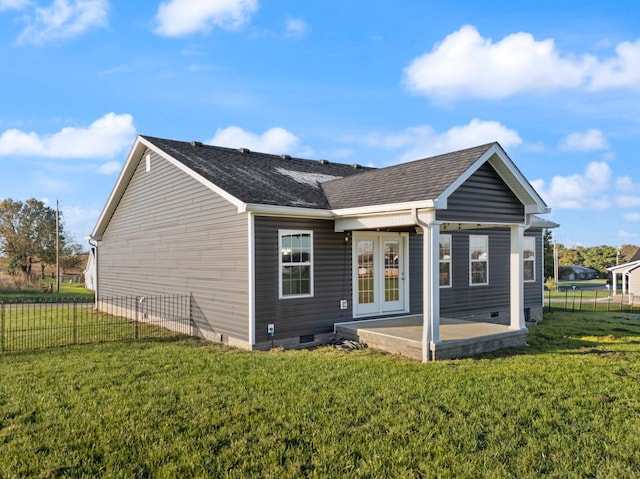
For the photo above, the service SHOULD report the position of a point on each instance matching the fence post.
(1, 326)
(191, 328)
(75, 322)
(595, 301)
(580, 305)
(137, 317)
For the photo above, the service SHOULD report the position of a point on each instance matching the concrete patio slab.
(458, 338)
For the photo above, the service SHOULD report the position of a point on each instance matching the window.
(529, 258)
(445, 260)
(479, 260)
(296, 263)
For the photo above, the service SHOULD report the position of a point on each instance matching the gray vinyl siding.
(294, 317)
(462, 299)
(634, 283)
(172, 235)
(533, 290)
(484, 197)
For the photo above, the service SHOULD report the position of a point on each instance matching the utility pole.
(58, 246)
(555, 263)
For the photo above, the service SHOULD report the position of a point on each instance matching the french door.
(379, 274)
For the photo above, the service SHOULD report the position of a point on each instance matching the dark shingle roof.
(415, 181)
(258, 178)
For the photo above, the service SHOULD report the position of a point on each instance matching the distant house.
(276, 250)
(577, 273)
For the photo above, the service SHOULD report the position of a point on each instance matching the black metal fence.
(584, 299)
(54, 322)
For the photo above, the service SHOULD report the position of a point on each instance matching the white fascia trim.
(533, 203)
(523, 182)
(626, 267)
(388, 208)
(136, 152)
(276, 210)
(140, 146)
(252, 280)
(185, 169)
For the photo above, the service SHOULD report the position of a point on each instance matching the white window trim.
(471, 261)
(282, 233)
(533, 260)
(449, 261)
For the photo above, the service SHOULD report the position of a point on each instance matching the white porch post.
(624, 283)
(430, 287)
(517, 278)
(615, 282)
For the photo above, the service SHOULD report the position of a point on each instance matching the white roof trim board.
(625, 268)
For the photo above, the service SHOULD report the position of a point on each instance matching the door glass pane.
(366, 271)
(391, 271)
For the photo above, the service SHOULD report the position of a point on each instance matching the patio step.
(402, 336)
(384, 342)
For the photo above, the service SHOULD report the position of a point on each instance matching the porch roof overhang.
(625, 268)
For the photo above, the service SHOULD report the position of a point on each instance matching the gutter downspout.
(427, 287)
(95, 246)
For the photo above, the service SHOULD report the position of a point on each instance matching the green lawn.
(566, 406)
(67, 290)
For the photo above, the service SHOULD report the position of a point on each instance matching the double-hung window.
(529, 258)
(445, 261)
(296, 263)
(478, 260)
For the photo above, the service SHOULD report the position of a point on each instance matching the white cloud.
(590, 140)
(580, 191)
(79, 220)
(104, 138)
(13, 4)
(622, 71)
(626, 185)
(627, 201)
(183, 17)
(109, 167)
(64, 19)
(423, 141)
(274, 140)
(465, 64)
(295, 28)
(595, 189)
(627, 234)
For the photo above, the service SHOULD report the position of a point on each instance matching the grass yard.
(67, 290)
(566, 406)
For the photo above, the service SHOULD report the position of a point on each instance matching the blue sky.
(377, 83)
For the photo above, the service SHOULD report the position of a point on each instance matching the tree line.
(598, 258)
(28, 236)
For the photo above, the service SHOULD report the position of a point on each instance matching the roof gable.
(432, 179)
(419, 180)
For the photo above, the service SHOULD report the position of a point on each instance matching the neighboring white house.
(630, 273)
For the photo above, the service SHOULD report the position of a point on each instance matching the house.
(276, 250)
(630, 273)
(577, 273)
